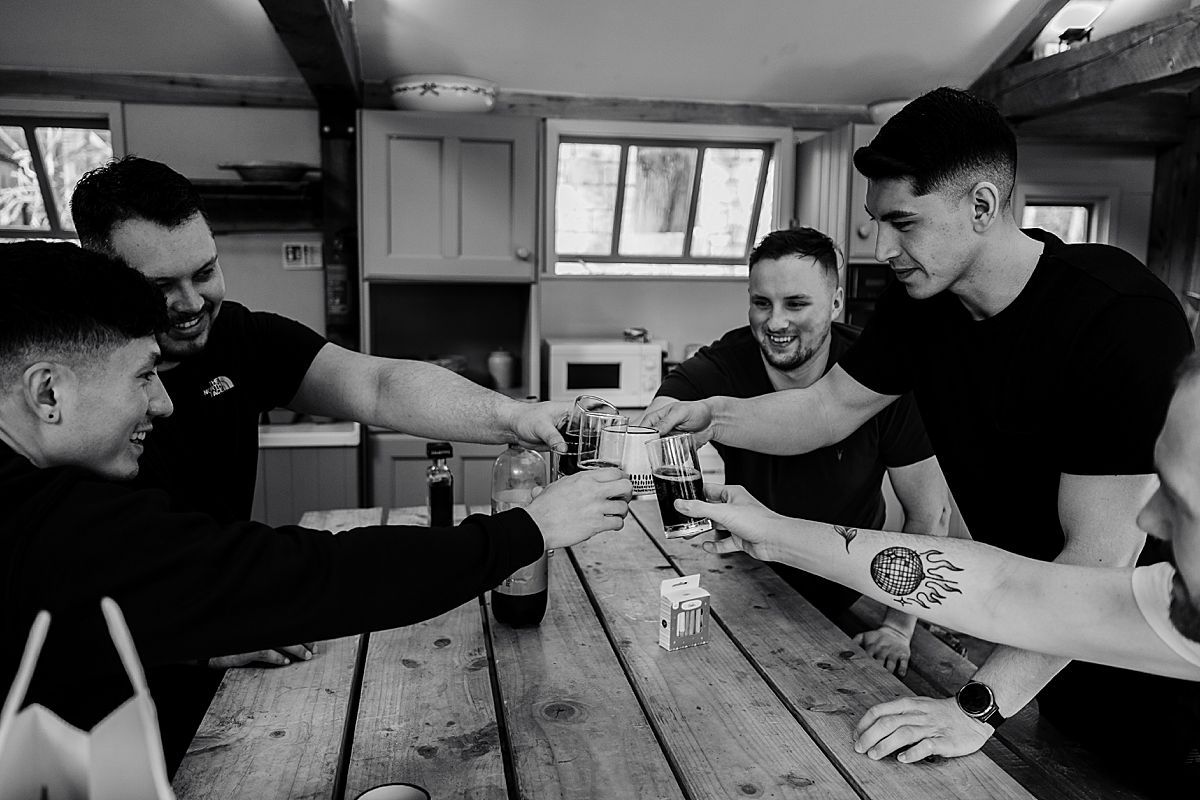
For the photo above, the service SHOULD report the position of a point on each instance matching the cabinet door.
(398, 464)
(295, 480)
(861, 233)
(448, 197)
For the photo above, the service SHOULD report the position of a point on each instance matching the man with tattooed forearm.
(1042, 371)
(1145, 619)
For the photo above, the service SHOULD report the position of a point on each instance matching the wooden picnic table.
(587, 705)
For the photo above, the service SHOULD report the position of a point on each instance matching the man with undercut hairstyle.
(1042, 372)
(80, 397)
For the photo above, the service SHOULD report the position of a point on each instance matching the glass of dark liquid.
(601, 439)
(676, 472)
(583, 404)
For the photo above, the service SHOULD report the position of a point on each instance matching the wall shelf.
(235, 206)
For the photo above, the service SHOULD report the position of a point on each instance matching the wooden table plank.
(725, 730)
(575, 727)
(829, 682)
(426, 713)
(278, 732)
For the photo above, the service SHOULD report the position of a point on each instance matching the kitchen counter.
(310, 434)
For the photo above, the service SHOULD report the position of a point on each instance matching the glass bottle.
(520, 599)
(439, 483)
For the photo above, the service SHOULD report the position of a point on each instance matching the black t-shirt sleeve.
(191, 587)
(283, 350)
(1120, 386)
(878, 359)
(902, 437)
(699, 377)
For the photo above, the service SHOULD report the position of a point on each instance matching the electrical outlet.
(302, 255)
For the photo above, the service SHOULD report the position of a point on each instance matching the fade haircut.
(945, 141)
(62, 303)
(130, 188)
(803, 242)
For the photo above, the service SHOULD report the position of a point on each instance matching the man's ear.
(43, 389)
(839, 300)
(985, 205)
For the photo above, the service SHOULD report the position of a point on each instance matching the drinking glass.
(625, 446)
(676, 472)
(583, 404)
(591, 423)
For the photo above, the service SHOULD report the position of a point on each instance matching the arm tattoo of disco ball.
(915, 578)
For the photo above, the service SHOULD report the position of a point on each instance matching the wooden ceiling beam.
(1154, 119)
(640, 109)
(157, 87)
(1155, 54)
(319, 36)
(1026, 37)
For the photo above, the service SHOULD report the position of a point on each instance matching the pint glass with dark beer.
(676, 472)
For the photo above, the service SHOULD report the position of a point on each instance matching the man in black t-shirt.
(79, 398)
(792, 341)
(1042, 372)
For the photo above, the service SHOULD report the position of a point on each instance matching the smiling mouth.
(139, 437)
(780, 341)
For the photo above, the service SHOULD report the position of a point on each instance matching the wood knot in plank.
(564, 711)
(277, 734)
(442, 642)
(799, 781)
(749, 789)
(411, 663)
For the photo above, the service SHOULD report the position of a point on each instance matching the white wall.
(193, 140)
(1130, 171)
(681, 312)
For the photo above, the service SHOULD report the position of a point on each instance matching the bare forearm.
(1016, 676)
(779, 423)
(426, 400)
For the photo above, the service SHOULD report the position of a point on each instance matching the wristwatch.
(977, 702)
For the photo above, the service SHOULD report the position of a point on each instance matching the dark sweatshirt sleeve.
(191, 587)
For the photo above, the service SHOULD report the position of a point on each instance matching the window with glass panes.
(638, 206)
(41, 160)
(1071, 222)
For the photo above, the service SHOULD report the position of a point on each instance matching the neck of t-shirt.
(999, 275)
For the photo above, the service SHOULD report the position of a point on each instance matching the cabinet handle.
(524, 253)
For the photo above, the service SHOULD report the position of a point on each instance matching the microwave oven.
(626, 374)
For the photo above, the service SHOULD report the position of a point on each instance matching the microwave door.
(593, 377)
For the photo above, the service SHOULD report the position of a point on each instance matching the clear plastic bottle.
(520, 599)
(439, 483)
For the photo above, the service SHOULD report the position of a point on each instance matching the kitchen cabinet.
(398, 463)
(448, 197)
(830, 194)
(305, 467)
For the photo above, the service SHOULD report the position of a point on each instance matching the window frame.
(779, 140)
(30, 114)
(1104, 202)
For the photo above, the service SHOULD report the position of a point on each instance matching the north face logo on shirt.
(218, 386)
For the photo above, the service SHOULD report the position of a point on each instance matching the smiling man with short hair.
(791, 341)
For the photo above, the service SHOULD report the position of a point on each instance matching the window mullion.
(619, 205)
(39, 168)
(692, 201)
(752, 233)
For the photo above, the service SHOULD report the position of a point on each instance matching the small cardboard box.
(684, 616)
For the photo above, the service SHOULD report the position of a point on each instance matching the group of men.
(1039, 373)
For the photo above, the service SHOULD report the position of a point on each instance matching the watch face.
(975, 698)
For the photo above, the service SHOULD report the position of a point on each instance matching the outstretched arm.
(421, 399)
(1071, 611)
(778, 423)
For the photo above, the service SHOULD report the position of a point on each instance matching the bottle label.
(527, 580)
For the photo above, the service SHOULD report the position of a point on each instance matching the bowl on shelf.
(432, 92)
(271, 170)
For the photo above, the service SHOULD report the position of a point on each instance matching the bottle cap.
(438, 450)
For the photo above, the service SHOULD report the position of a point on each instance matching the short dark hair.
(803, 242)
(60, 301)
(130, 188)
(946, 139)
